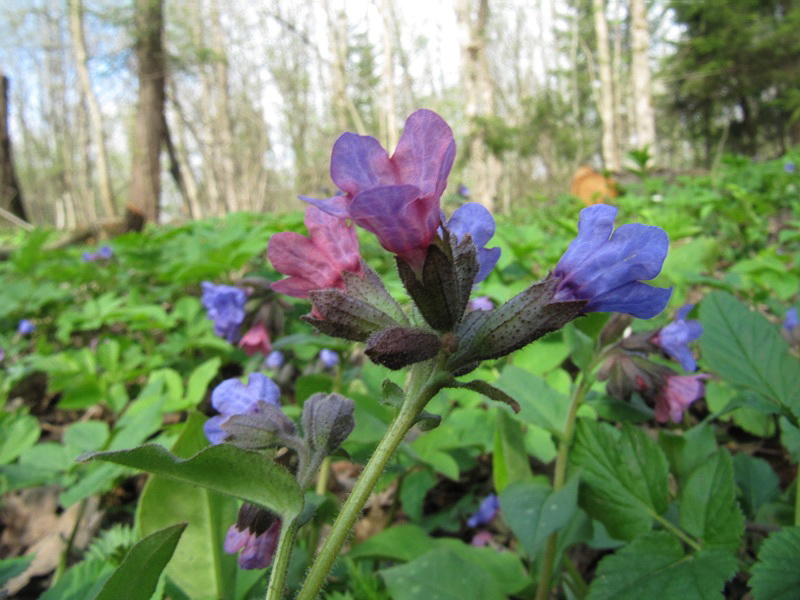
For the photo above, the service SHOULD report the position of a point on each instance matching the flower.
(232, 397)
(677, 394)
(790, 167)
(674, 338)
(225, 306)
(274, 360)
(475, 220)
(104, 253)
(26, 327)
(463, 191)
(257, 531)
(607, 270)
(486, 512)
(480, 303)
(395, 198)
(329, 358)
(256, 340)
(316, 262)
(790, 320)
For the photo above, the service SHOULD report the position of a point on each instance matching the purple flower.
(463, 191)
(232, 397)
(225, 306)
(314, 263)
(677, 394)
(790, 320)
(486, 512)
(104, 253)
(26, 327)
(474, 219)
(257, 532)
(674, 338)
(256, 340)
(480, 303)
(274, 360)
(789, 167)
(395, 198)
(328, 357)
(607, 270)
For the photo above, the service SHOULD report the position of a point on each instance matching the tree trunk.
(484, 167)
(610, 141)
(10, 192)
(79, 52)
(149, 129)
(640, 74)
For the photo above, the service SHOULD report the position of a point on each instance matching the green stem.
(280, 566)
(543, 589)
(797, 499)
(422, 388)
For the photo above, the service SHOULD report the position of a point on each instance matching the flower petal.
(358, 162)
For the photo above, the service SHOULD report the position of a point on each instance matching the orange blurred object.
(592, 187)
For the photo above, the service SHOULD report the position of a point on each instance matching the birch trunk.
(610, 141)
(641, 78)
(484, 169)
(95, 115)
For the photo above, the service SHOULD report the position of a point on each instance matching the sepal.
(339, 314)
(488, 390)
(526, 317)
(398, 347)
(441, 291)
(268, 427)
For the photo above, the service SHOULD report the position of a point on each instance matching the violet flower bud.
(677, 394)
(256, 532)
(256, 340)
(327, 421)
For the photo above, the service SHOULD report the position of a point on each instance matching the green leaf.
(539, 403)
(510, 459)
(441, 574)
(198, 382)
(18, 432)
(534, 511)
(708, 507)
(687, 450)
(227, 469)
(775, 575)
(143, 564)
(625, 477)
(400, 543)
(655, 566)
(80, 582)
(747, 350)
(756, 480)
(308, 385)
(199, 566)
(11, 567)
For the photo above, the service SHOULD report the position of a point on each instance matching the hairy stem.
(423, 385)
(280, 566)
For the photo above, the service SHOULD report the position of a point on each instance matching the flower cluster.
(251, 417)
(226, 306)
(104, 253)
(628, 369)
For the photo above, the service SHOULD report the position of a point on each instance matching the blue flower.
(104, 253)
(607, 269)
(329, 358)
(232, 397)
(790, 167)
(225, 306)
(463, 191)
(674, 338)
(486, 512)
(274, 360)
(790, 320)
(25, 327)
(474, 219)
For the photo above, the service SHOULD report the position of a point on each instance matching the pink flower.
(316, 262)
(395, 198)
(256, 340)
(259, 548)
(677, 394)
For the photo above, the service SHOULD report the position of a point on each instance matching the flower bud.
(327, 421)
(265, 428)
